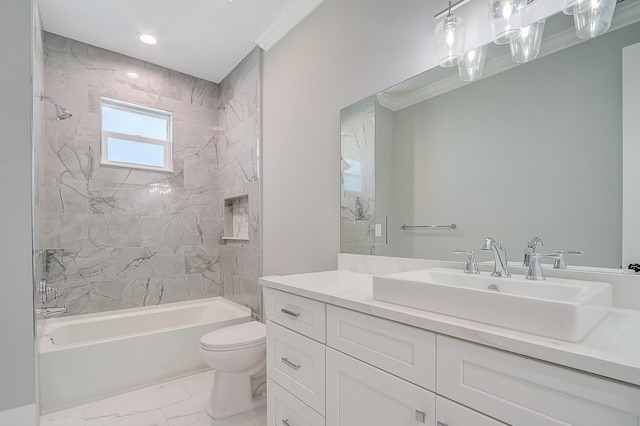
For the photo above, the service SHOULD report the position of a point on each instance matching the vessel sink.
(556, 308)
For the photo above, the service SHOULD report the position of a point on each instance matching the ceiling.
(202, 38)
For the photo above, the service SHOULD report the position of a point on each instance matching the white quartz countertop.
(612, 349)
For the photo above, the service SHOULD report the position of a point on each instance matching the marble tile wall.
(116, 238)
(357, 198)
(240, 118)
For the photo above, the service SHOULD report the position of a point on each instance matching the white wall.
(341, 53)
(630, 154)
(17, 382)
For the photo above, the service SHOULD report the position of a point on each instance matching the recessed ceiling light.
(133, 75)
(147, 38)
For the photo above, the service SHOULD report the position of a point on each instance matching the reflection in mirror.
(535, 150)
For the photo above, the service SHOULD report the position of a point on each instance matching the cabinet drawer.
(402, 350)
(285, 409)
(297, 364)
(359, 394)
(448, 413)
(300, 314)
(522, 391)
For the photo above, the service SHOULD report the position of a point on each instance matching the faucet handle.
(535, 270)
(472, 264)
(560, 263)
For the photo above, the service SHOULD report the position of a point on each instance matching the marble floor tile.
(179, 402)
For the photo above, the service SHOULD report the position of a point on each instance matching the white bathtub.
(87, 357)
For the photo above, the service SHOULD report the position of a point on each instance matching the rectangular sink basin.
(556, 308)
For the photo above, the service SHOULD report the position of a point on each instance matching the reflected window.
(352, 175)
(135, 136)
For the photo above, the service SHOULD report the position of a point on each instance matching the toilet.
(236, 353)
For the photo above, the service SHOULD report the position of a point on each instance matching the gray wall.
(341, 53)
(536, 150)
(17, 385)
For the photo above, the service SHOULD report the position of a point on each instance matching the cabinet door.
(359, 394)
(522, 391)
(448, 413)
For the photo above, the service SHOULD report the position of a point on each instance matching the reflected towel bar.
(452, 226)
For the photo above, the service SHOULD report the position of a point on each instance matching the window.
(135, 136)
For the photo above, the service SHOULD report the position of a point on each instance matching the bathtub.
(92, 356)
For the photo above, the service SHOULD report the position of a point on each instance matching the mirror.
(529, 150)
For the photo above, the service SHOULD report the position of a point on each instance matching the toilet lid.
(239, 336)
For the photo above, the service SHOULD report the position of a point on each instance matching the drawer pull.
(441, 424)
(421, 416)
(285, 422)
(290, 364)
(290, 313)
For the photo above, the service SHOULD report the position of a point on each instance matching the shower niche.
(236, 218)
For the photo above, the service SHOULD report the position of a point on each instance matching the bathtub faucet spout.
(48, 311)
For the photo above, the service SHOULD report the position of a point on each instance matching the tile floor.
(176, 403)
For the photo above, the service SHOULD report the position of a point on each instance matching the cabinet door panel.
(359, 394)
(522, 391)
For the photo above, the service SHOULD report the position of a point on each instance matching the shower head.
(61, 112)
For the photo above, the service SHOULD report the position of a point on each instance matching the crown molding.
(294, 14)
(626, 14)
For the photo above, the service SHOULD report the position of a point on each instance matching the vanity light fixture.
(527, 47)
(450, 34)
(506, 18)
(147, 38)
(471, 64)
(593, 17)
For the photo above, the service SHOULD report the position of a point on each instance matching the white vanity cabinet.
(332, 366)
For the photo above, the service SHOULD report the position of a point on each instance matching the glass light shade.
(506, 18)
(571, 7)
(527, 46)
(471, 64)
(594, 18)
(449, 34)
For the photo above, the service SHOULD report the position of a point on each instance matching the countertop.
(612, 349)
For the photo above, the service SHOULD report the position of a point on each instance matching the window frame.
(140, 110)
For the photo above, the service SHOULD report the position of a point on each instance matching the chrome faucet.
(500, 269)
(530, 249)
(48, 311)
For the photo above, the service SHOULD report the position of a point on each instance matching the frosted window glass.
(132, 123)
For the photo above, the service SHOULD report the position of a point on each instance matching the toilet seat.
(235, 337)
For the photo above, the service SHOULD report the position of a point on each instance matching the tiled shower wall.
(240, 118)
(116, 238)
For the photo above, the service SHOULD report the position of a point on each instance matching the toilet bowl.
(236, 353)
